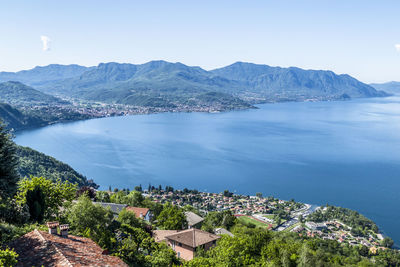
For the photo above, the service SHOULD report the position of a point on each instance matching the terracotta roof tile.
(39, 248)
(138, 211)
(193, 237)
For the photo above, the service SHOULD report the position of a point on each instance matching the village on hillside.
(268, 212)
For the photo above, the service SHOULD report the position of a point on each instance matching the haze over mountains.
(164, 84)
(390, 87)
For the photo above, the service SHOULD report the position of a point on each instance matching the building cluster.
(336, 230)
(237, 204)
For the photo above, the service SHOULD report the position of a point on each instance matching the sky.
(360, 38)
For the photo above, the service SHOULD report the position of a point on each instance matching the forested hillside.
(32, 162)
(19, 94)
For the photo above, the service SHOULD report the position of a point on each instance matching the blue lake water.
(342, 153)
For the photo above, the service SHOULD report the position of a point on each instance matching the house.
(38, 248)
(142, 213)
(185, 242)
(193, 220)
(315, 226)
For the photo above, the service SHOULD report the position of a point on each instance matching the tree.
(129, 218)
(8, 165)
(35, 199)
(8, 257)
(91, 220)
(49, 196)
(387, 242)
(227, 193)
(134, 199)
(218, 219)
(89, 191)
(171, 218)
(162, 256)
(138, 188)
(102, 196)
(259, 194)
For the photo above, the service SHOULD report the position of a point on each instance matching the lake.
(342, 153)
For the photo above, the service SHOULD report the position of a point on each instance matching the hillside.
(390, 87)
(274, 83)
(15, 119)
(41, 75)
(32, 162)
(19, 94)
(167, 85)
(154, 84)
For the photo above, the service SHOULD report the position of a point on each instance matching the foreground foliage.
(259, 247)
(44, 197)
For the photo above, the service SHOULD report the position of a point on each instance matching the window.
(179, 254)
(180, 244)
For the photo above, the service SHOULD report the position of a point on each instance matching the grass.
(246, 219)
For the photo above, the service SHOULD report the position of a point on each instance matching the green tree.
(8, 257)
(49, 196)
(134, 199)
(387, 242)
(86, 215)
(8, 165)
(129, 218)
(218, 219)
(36, 202)
(259, 194)
(162, 256)
(102, 196)
(171, 218)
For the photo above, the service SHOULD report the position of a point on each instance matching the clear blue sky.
(346, 36)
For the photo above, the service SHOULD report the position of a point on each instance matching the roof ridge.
(41, 237)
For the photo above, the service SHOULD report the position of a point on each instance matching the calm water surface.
(341, 153)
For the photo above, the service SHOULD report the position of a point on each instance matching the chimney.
(52, 227)
(64, 230)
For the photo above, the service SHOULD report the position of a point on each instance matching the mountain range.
(165, 84)
(390, 87)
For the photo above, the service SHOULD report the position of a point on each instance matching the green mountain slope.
(155, 84)
(32, 162)
(15, 119)
(16, 93)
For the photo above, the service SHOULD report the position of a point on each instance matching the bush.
(8, 257)
(11, 212)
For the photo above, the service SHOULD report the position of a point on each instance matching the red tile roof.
(138, 211)
(39, 248)
(193, 237)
